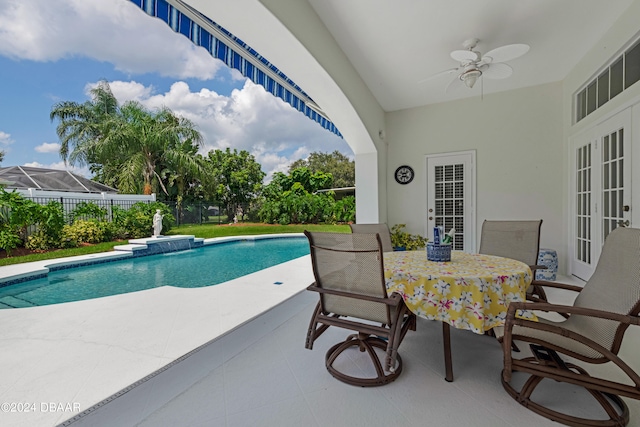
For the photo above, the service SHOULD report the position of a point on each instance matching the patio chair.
(349, 276)
(519, 240)
(382, 229)
(607, 305)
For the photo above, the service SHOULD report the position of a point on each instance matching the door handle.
(623, 224)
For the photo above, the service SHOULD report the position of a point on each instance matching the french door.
(451, 197)
(601, 183)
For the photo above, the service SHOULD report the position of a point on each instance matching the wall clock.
(404, 174)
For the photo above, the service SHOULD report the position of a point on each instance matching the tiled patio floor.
(261, 375)
(129, 360)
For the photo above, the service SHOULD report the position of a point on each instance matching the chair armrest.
(558, 308)
(392, 300)
(537, 267)
(557, 285)
(558, 329)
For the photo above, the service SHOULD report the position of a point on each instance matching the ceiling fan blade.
(496, 71)
(464, 55)
(440, 74)
(454, 84)
(505, 53)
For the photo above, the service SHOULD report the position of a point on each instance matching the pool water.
(192, 268)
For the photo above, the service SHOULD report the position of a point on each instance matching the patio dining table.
(470, 292)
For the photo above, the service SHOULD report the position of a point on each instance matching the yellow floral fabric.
(471, 292)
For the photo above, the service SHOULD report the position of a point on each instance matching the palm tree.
(125, 143)
(81, 125)
(150, 139)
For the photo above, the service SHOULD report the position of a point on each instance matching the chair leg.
(618, 414)
(368, 344)
(314, 331)
(448, 364)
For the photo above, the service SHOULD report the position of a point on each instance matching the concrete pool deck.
(59, 360)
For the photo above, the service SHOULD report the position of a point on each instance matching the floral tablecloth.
(471, 292)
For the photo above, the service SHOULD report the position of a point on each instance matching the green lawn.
(205, 231)
(245, 229)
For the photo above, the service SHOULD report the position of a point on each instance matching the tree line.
(138, 150)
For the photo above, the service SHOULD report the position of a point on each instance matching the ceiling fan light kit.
(470, 77)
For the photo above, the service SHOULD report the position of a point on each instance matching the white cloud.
(115, 31)
(5, 138)
(129, 91)
(82, 171)
(118, 32)
(48, 147)
(249, 119)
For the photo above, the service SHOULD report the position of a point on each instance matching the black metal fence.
(191, 213)
(69, 204)
(208, 213)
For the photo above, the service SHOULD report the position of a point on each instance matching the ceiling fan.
(474, 65)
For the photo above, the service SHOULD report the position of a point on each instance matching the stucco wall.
(610, 46)
(626, 29)
(518, 138)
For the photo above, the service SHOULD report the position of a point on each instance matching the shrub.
(16, 212)
(137, 222)
(49, 219)
(344, 210)
(9, 240)
(39, 241)
(84, 231)
(49, 222)
(88, 210)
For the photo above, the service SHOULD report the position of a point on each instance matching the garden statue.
(157, 223)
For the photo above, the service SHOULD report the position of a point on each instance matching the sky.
(57, 50)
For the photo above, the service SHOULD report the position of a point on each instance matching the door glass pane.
(621, 142)
(449, 201)
(612, 181)
(583, 176)
(614, 145)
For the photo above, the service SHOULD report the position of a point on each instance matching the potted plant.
(402, 240)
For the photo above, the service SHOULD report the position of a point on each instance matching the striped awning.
(235, 53)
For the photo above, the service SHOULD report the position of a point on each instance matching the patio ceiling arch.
(286, 33)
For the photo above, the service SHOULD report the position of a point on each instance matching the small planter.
(439, 253)
(401, 240)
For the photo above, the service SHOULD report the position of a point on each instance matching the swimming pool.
(192, 268)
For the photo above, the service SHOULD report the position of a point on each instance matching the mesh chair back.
(614, 286)
(381, 229)
(519, 240)
(350, 263)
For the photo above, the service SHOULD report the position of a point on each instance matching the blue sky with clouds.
(56, 50)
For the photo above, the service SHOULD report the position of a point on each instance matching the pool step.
(13, 302)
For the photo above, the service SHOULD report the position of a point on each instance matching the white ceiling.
(393, 44)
